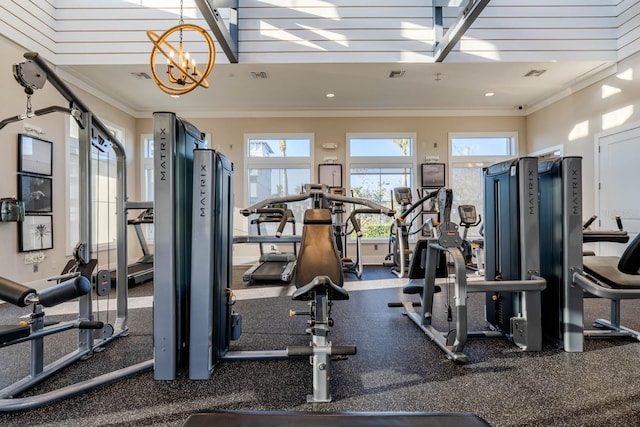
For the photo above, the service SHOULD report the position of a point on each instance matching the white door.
(618, 173)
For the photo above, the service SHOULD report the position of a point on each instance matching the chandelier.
(181, 74)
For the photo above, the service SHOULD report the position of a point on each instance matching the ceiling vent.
(535, 73)
(259, 75)
(141, 76)
(396, 74)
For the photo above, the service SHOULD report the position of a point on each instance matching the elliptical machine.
(399, 254)
(342, 231)
(469, 217)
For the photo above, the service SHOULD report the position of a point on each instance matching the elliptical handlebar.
(418, 203)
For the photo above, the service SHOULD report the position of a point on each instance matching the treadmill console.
(402, 195)
(468, 214)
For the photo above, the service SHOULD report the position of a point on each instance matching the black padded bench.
(10, 333)
(617, 273)
(615, 279)
(338, 419)
(605, 269)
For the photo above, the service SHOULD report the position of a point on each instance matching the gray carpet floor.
(396, 369)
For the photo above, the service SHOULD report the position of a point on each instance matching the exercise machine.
(34, 330)
(93, 135)
(194, 318)
(514, 309)
(599, 236)
(572, 276)
(399, 252)
(319, 278)
(469, 217)
(342, 231)
(140, 271)
(273, 266)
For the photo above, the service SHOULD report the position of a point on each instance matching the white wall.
(573, 121)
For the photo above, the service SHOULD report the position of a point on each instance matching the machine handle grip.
(335, 350)
(589, 222)
(283, 223)
(358, 211)
(88, 324)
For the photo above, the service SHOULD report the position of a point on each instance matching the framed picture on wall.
(433, 175)
(35, 155)
(330, 174)
(36, 193)
(36, 233)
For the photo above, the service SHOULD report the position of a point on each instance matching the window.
(278, 165)
(469, 153)
(146, 179)
(147, 167)
(377, 163)
(103, 190)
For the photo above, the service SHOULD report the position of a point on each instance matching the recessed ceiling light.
(489, 94)
(331, 95)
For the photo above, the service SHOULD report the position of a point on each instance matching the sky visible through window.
(380, 147)
(490, 146)
(293, 147)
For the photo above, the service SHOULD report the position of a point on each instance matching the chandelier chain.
(181, 20)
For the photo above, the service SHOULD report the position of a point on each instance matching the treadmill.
(273, 266)
(140, 271)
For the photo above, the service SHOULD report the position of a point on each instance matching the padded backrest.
(318, 254)
(630, 260)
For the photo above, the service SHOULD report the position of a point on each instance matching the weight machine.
(32, 75)
(319, 278)
(512, 282)
(572, 276)
(194, 320)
